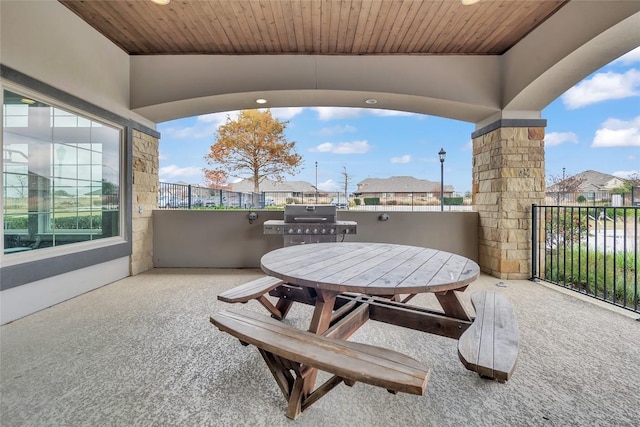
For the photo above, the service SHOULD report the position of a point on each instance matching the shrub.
(87, 222)
(453, 201)
(581, 199)
(18, 223)
(392, 202)
(565, 225)
(607, 276)
(357, 202)
(371, 201)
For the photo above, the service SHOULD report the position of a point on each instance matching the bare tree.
(565, 185)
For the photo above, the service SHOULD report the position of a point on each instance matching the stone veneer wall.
(508, 176)
(144, 200)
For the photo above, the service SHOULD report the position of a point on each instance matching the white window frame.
(35, 255)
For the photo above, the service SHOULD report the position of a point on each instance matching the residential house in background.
(588, 186)
(400, 189)
(286, 188)
(587, 181)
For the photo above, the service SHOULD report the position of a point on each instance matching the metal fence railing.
(594, 250)
(183, 196)
(590, 198)
(372, 201)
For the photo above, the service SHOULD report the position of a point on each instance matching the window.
(61, 175)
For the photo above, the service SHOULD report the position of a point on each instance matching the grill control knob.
(299, 230)
(315, 231)
(291, 231)
(323, 230)
(331, 231)
(307, 230)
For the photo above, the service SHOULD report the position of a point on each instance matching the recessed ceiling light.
(261, 101)
(161, 2)
(371, 101)
(27, 101)
(469, 2)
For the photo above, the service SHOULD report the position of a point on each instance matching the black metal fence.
(593, 250)
(590, 198)
(183, 196)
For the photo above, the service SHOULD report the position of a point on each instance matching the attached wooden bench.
(490, 345)
(289, 351)
(256, 289)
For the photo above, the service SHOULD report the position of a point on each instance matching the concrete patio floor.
(141, 351)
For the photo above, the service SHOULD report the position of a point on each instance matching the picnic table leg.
(284, 303)
(320, 322)
(452, 305)
(321, 319)
(283, 306)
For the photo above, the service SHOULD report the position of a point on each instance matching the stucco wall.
(201, 238)
(48, 42)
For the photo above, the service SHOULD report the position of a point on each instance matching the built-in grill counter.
(310, 224)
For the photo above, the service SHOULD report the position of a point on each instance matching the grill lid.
(310, 213)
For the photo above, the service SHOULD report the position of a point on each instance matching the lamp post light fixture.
(442, 154)
(316, 183)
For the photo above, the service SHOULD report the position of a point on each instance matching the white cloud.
(557, 138)
(286, 113)
(618, 133)
(206, 126)
(468, 146)
(354, 147)
(603, 87)
(390, 113)
(626, 174)
(335, 113)
(189, 132)
(335, 130)
(174, 173)
(629, 58)
(328, 185)
(402, 159)
(218, 119)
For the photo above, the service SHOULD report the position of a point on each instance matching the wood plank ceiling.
(315, 27)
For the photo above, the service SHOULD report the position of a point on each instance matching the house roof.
(589, 180)
(400, 184)
(246, 185)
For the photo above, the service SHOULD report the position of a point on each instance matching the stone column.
(508, 176)
(144, 200)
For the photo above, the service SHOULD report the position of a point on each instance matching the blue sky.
(594, 125)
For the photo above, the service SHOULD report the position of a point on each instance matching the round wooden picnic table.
(383, 269)
(370, 268)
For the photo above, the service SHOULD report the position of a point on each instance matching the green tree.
(254, 144)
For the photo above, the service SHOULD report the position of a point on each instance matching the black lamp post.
(316, 183)
(442, 155)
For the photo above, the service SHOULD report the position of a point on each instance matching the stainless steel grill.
(310, 224)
